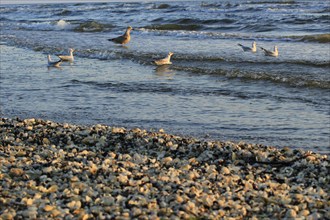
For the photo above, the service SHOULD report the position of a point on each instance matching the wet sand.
(66, 171)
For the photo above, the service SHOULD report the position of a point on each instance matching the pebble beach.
(51, 170)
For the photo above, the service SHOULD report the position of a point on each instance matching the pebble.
(63, 171)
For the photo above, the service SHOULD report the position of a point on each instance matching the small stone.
(167, 160)
(29, 128)
(56, 212)
(16, 172)
(47, 170)
(93, 168)
(304, 213)
(74, 179)
(29, 201)
(30, 121)
(225, 171)
(108, 201)
(52, 189)
(118, 130)
(314, 216)
(122, 178)
(31, 212)
(179, 198)
(45, 141)
(48, 208)
(7, 216)
(73, 205)
(291, 213)
(135, 212)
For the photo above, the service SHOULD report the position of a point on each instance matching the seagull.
(252, 49)
(271, 53)
(67, 57)
(164, 61)
(53, 63)
(123, 39)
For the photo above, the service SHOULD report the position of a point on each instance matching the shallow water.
(212, 88)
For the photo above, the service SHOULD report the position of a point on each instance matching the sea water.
(212, 89)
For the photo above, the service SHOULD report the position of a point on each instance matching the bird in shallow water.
(164, 61)
(67, 57)
(53, 63)
(269, 52)
(123, 39)
(251, 49)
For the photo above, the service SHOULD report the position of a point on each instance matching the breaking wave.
(92, 26)
(319, 38)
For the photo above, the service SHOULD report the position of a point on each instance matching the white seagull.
(165, 61)
(67, 57)
(123, 39)
(53, 63)
(251, 49)
(270, 53)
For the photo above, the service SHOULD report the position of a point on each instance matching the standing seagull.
(53, 63)
(123, 39)
(67, 57)
(252, 49)
(164, 61)
(271, 53)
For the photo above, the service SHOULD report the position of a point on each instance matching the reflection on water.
(164, 71)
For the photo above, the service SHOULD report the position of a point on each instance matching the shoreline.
(60, 170)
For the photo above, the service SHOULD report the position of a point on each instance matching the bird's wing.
(119, 39)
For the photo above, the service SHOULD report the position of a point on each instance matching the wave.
(162, 6)
(209, 65)
(5, 10)
(188, 27)
(127, 87)
(65, 12)
(190, 21)
(92, 26)
(145, 87)
(285, 2)
(4, 19)
(210, 59)
(197, 32)
(189, 24)
(295, 81)
(62, 24)
(218, 5)
(259, 27)
(319, 38)
(45, 25)
(76, 26)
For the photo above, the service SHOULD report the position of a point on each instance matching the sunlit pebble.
(16, 172)
(73, 205)
(225, 171)
(48, 208)
(167, 160)
(93, 168)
